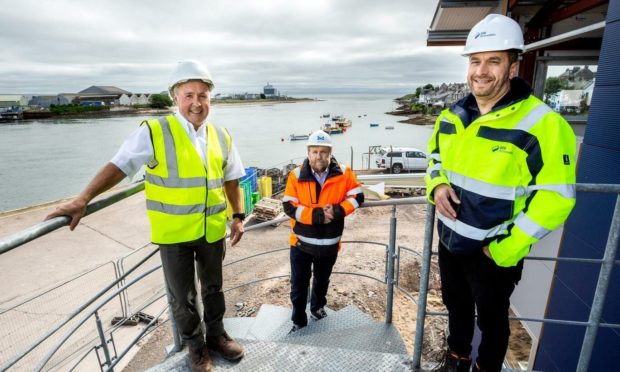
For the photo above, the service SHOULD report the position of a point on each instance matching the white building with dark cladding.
(270, 91)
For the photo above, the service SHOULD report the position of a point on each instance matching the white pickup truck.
(402, 159)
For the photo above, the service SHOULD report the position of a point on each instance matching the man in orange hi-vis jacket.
(318, 195)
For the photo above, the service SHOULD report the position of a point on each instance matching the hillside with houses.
(569, 93)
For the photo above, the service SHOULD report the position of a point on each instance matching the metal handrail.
(68, 334)
(73, 314)
(45, 227)
(592, 325)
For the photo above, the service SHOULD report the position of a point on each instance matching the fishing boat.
(298, 137)
(326, 115)
(344, 123)
(332, 129)
(374, 124)
(389, 127)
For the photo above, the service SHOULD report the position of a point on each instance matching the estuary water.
(46, 160)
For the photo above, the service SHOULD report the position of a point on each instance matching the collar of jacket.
(333, 169)
(467, 108)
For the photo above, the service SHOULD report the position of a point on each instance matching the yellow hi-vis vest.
(184, 199)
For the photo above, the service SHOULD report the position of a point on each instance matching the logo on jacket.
(500, 148)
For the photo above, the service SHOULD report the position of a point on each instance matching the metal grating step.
(345, 318)
(274, 356)
(268, 319)
(238, 327)
(374, 337)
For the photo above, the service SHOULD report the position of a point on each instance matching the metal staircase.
(346, 340)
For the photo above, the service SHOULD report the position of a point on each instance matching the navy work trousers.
(471, 282)
(303, 265)
(178, 264)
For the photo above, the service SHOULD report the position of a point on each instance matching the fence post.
(390, 267)
(104, 343)
(424, 274)
(601, 291)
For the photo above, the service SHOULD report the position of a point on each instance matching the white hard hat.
(319, 138)
(494, 32)
(189, 70)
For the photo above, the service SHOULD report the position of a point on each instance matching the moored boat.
(344, 123)
(298, 137)
(374, 124)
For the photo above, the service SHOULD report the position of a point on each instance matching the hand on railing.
(75, 209)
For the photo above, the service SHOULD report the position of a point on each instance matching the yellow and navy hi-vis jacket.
(513, 170)
(304, 199)
(184, 199)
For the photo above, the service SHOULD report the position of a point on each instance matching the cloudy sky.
(300, 46)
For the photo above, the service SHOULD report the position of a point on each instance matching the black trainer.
(295, 328)
(319, 314)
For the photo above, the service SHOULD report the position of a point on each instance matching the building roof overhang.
(558, 20)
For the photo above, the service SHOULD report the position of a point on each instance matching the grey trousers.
(178, 264)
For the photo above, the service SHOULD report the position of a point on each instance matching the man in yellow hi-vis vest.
(502, 176)
(192, 167)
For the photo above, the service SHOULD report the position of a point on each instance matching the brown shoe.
(201, 360)
(226, 346)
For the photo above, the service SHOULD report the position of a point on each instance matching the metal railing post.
(390, 267)
(178, 345)
(601, 291)
(104, 343)
(424, 274)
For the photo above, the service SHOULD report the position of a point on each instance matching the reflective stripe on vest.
(315, 241)
(185, 199)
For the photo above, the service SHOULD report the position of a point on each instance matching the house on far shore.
(133, 99)
(100, 95)
(13, 100)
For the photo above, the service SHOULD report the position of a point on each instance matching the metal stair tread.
(373, 337)
(345, 318)
(238, 327)
(269, 318)
(263, 355)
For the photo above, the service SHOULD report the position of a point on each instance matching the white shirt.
(137, 150)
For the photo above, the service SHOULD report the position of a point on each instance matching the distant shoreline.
(129, 111)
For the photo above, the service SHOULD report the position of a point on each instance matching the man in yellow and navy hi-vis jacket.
(318, 196)
(192, 168)
(502, 176)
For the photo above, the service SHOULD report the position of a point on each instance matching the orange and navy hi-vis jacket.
(304, 199)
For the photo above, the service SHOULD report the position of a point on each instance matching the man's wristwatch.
(240, 216)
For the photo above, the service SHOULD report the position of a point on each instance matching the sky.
(299, 46)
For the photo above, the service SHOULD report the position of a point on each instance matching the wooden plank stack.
(267, 209)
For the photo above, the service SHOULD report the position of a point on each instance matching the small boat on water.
(338, 118)
(298, 137)
(389, 127)
(344, 123)
(374, 124)
(332, 129)
(326, 115)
